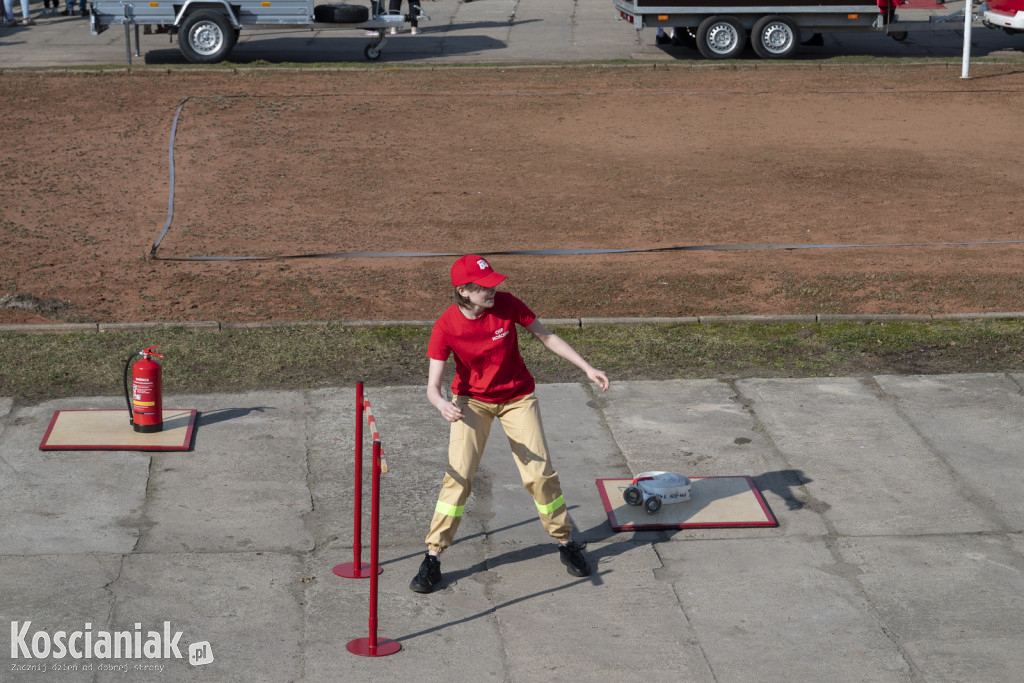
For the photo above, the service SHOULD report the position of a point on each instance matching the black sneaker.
(571, 555)
(428, 576)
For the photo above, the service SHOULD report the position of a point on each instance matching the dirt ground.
(285, 163)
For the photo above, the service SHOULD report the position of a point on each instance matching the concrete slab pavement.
(898, 555)
(874, 472)
(980, 451)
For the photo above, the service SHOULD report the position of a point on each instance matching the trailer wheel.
(898, 36)
(371, 52)
(775, 37)
(206, 37)
(721, 38)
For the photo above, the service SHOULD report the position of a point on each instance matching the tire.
(206, 37)
(898, 36)
(721, 38)
(775, 37)
(682, 36)
(371, 52)
(341, 14)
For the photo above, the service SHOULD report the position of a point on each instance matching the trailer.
(207, 30)
(721, 29)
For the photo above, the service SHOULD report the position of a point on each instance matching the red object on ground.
(372, 646)
(147, 391)
(106, 430)
(357, 569)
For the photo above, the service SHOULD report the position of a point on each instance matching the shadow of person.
(621, 542)
(533, 552)
(487, 533)
(782, 483)
(523, 554)
(494, 609)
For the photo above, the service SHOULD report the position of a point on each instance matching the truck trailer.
(207, 30)
(721, 29)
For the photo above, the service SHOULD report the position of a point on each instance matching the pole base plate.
(349, 570)
(364, 647)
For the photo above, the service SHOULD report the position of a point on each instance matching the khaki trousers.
(520, 418)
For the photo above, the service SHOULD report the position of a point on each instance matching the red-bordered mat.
(714, 502)
(110, 430)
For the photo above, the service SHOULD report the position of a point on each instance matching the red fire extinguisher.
(145, 404)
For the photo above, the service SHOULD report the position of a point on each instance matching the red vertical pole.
(356, 569)
(374, 531)
(372, 646)
(357, 500)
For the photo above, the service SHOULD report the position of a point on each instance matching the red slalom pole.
(356, 569)
(357, 499)
(373, 646)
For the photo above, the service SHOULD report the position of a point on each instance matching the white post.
(965, 71)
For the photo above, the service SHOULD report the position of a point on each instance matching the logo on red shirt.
(499, 333)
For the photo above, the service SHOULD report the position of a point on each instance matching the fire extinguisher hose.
(127, 395)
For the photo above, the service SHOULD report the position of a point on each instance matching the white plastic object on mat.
(651, 489)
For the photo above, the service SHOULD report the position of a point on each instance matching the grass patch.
(38, 367)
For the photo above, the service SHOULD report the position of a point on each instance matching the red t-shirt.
(488, 366)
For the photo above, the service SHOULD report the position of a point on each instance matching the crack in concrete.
(970, 492)
(841, 567)
(682, 610)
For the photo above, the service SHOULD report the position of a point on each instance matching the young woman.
(491, 381)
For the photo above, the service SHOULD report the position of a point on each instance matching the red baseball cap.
(476, 270)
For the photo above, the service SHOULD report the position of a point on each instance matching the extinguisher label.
(144, 403)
